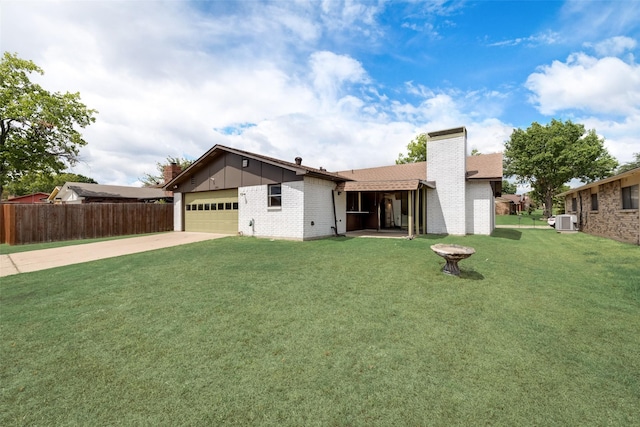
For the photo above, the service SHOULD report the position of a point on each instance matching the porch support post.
(410, 212)
(378, 203)
(424, 210)
(416, 209)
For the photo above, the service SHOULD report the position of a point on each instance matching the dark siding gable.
(225, 171)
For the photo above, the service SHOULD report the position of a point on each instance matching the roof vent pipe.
(298, 161)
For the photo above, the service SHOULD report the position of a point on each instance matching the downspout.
(335, 214)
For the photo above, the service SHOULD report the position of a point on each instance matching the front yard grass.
(541, 329)
(535, 219)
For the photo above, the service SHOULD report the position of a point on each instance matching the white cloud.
(607, 85)
(330, 72)
(535, 40)
(613, 46)
(621, 136)
(164, 76)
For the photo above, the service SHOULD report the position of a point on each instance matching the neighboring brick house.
(609, 207)
(237, 192)
(511, 204)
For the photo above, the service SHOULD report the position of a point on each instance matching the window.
(630, 197)
(200, 206)
(574, 205)
(227, 206)
(188, 207)
(245, 163)
(213, 206)
(235, 206)
(220, 206)
(594, 202)
(275, 195)
(206, 206)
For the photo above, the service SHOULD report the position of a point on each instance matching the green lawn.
(529, 220)
(541, 329)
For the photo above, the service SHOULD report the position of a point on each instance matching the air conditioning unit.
(566, 223)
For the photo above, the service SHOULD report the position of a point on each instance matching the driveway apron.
(24, 262)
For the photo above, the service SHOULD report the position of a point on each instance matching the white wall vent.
(566, 223)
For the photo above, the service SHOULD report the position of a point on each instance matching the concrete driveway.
(24, 262)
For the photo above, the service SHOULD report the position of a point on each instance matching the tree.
(37, 128)
(34, 182)
(509, 188)
(416, 150)
(549, 156)
(630, 165)
(150, 180)
(475, 152)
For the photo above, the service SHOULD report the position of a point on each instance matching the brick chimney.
(171, 171)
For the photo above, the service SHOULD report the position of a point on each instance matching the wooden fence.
(25, 223)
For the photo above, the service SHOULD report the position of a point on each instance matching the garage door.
(212, 211)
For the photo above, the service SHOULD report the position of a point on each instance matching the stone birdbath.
(452, 254)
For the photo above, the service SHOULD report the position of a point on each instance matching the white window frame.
(274, 195)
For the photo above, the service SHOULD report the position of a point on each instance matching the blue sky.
(343, 84)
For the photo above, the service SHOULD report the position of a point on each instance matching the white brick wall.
(446, 204)
(302, 202)
(480, 219)
(255, 218)
(177, 212)
(318, 208)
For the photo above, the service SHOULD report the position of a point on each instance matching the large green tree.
(157, 179)
(550, 156)
(34, 182)
(509, 188)
(416, 150)
(38, 129)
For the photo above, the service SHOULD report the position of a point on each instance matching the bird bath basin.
(452, 254)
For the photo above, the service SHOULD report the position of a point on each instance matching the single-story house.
(39, 197)
(608, 208)
(81, 192)
(511, 204)
(232, 191)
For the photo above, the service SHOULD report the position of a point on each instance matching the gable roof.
(218, 149)
(408, 176)
(602, 181)
(86, 190)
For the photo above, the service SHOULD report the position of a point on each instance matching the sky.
(342, 84)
